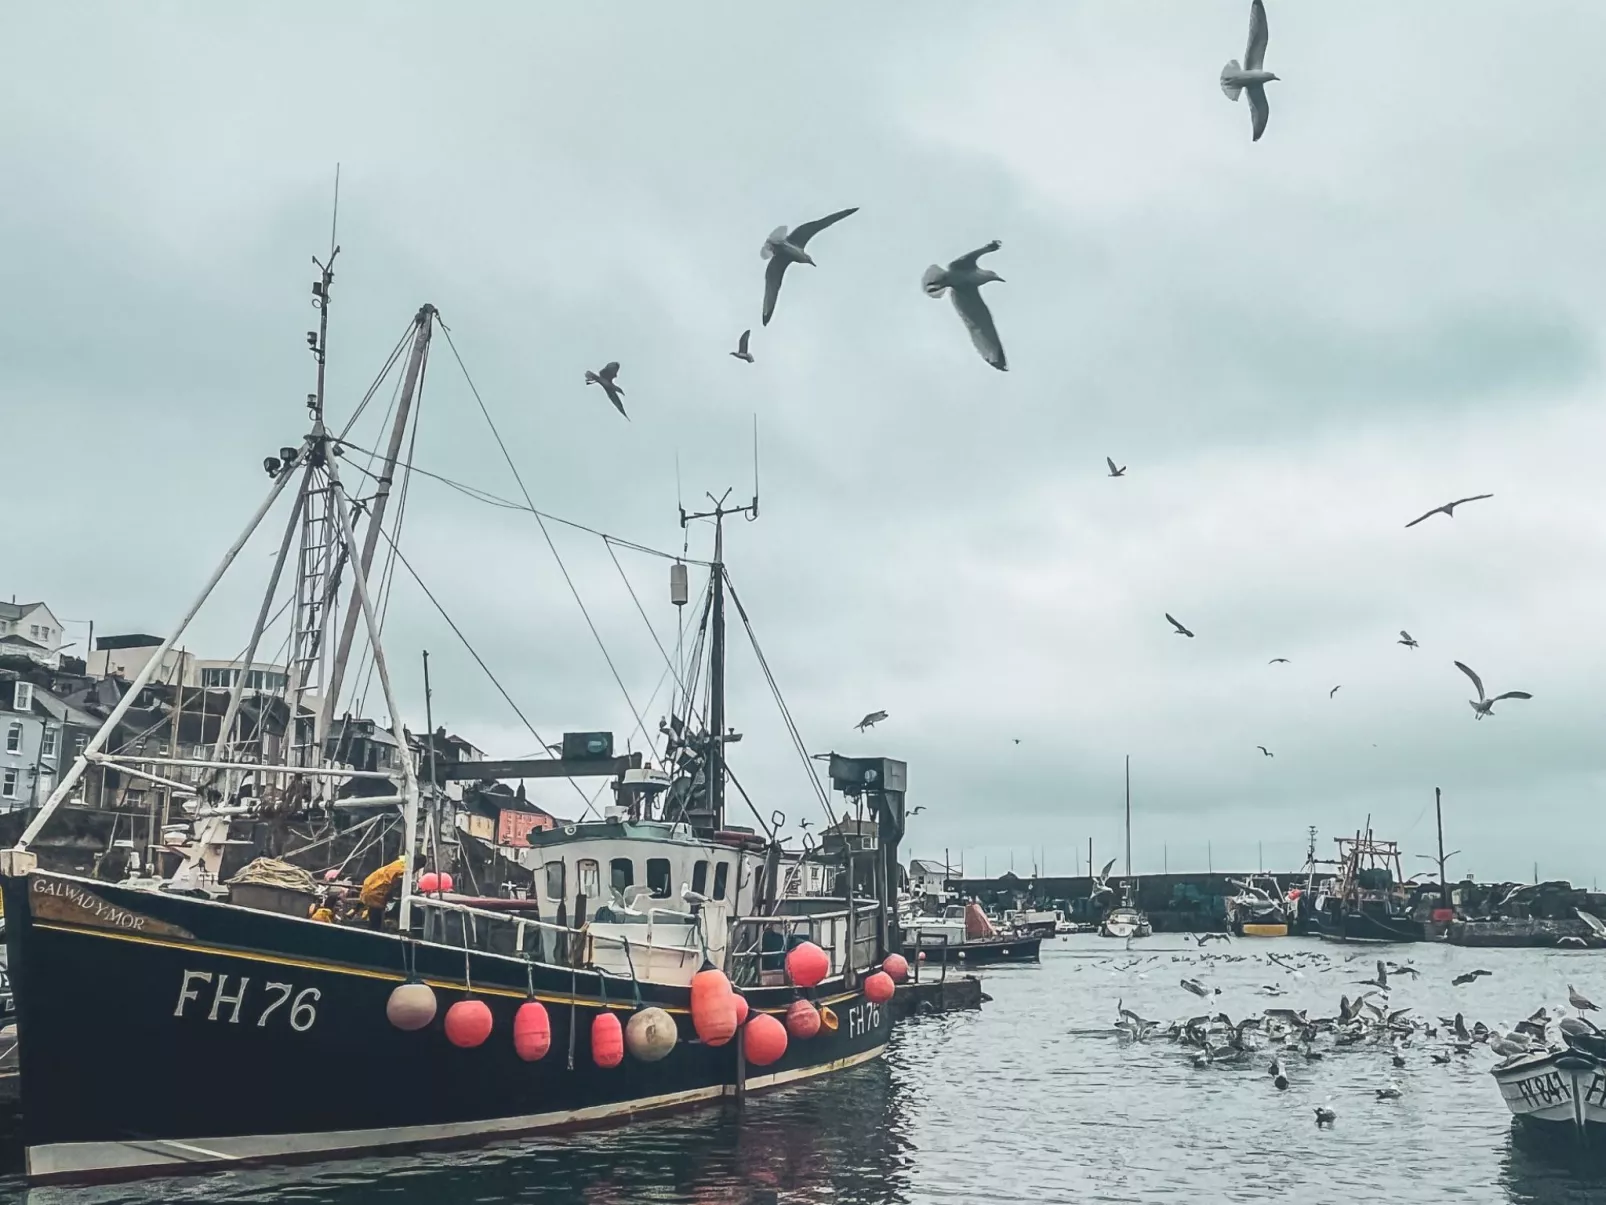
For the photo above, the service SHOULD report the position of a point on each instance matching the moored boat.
(964, 934)
(1366, 902)
(1258, 909)
(1557, 1090)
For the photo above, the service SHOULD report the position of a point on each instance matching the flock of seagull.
(1369, 1022)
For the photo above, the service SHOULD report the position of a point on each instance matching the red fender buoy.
(428, 883)
(802, 1020)
(807, 964)
(897, 966)
(468, 1023)
(532, 1031)
(713, 1007)
(879, 987)
(763, 1040)
(607, 1040)
(741, 1007)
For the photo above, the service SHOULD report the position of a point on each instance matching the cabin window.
(658, 877)
(758, 886)
(621, 874)
(14, 738)
(699, 877)
(554, 880)
(722, 874)
(590, 876)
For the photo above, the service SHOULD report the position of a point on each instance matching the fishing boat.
(1558, 1091)
(965, 934)
(658, 964)
(1258, 909)
(1367, 900)
(1125, 919)
(1033, 922)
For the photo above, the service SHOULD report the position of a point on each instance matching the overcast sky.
(1393, 300)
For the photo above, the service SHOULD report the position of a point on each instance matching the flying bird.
(1278, 661)
(612, 388)
(1406, 640)
(1265, 750)
(965, 278)
(1181, 631)
(1251, 77)
(871, 720)
(1448, 508)
(782, 249)
(741, 352)
(1115, 472)
(1469, 977)
(1335, 690)
(918, 810)
(1483, 706)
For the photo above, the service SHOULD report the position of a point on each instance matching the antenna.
(334, 218)
(754, 512)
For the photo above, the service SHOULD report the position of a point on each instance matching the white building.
(30, 630)
(125, 656)
(31, 741)
(927, 878)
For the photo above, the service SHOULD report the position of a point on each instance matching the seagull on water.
(1265, 750)
(1483, 706)
(741, 352)
(611, 387)
(1181, 631)
(965, 278)
(1406, 640)
(1325, 1116)
(1115, 472)
(1392, 1092)
(1251, 77)
(782, 248)
(871, 720)
(1581, 1003)
(1448, 508)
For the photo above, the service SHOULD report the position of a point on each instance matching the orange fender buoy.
(897, 966)
(468, 1023)
(741, 1007)
(713, 1007)
(802, 1020)
(807, 964)
(828, 1020)
(532, 1031)
(411, 1006)
(428, 883)
(607, 1040)
(763, 1040)
(879, 987)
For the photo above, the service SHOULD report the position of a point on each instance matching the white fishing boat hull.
(1556, 1088)
(1126, 923)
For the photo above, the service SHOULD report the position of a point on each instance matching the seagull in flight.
(1251, 77)
(1448, 508)
(741, 352)
(1115, 472)
(612, 388)
(1469, 977)
(1265, 750)
(965, 278)
(918, 810)
(782, 248)
(871, 720)
(1278, 661)
(1407, 640)
(1485, 706)
(1335, 690)
(1181, 631)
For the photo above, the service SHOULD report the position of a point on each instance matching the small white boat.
(1556, 1088)
(1124, 920)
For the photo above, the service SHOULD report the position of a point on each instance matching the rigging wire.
(642, 611)
(458, 632)
(786, 712)
(390, 362)
(547, 535)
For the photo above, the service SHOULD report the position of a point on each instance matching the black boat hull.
(266, 1039)
(979, 953)
(1367, 927)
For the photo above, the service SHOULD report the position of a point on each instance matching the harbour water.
(1036, 1100)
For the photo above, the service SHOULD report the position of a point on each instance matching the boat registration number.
(230, 999)
(862, 1018)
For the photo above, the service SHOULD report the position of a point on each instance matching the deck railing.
(757, 952)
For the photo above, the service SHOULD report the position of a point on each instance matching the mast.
(376, 507)
(1129, 819)
(711, 815)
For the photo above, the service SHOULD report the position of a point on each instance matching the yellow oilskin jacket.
(324, 914)
(376, 887)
